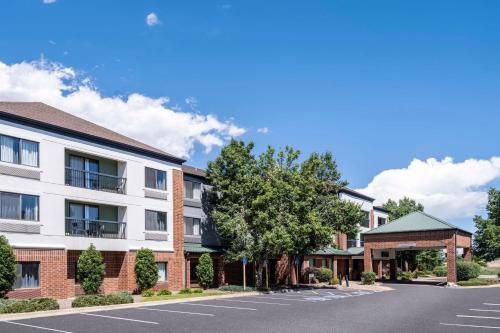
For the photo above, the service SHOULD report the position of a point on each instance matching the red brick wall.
(342, 241)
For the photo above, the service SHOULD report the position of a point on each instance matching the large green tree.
(402, 207)
(272, 205)
(487, 237)
(7, 266)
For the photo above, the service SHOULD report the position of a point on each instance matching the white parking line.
(255, 302)
(491, 304)
(175, 311)
(220, 306)
(462, 325)
(486, 310)
(480, 317)
(282, 298)
(119, 318)
(39, 327)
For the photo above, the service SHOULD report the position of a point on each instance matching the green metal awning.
(356, 251)
(331, 251)
(199, 248)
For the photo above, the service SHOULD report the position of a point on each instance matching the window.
(18, 206)
(162, 271)
(366, 221)
(18, 151)
(381, 221)
(156, 221)
(156, 179)
(192, 226)
(27, 275)
(323, 263)
(192, 190)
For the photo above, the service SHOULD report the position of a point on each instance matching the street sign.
(244, 260)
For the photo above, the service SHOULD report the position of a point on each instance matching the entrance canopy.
(417, 230)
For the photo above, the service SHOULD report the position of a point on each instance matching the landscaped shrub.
(164, 292)
(197, 291)
(185, 291)
(406, 276)
(90, 270)
(148, 293)
(368, 277)
(467, 270)
(28, 305)
(96, 300)
(324, 274)
(7, 267)
(205, 271)
(440, 271)
(334, 281)
(146, 269)
(235, 288)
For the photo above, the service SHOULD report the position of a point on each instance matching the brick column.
(368, 259)
(451, 257)
(335, 267)
(351, 264)
(178, 232)
(342, 241)
(392, 269)
(372, 219)
(467, 254)
(187, 280)
(221, 274)
(379, 269)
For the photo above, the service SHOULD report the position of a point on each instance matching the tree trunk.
(258, 274)
(292, 272)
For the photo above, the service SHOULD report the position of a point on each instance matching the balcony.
(95, 180)
(78, 227)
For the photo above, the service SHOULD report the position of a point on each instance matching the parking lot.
(408, 308)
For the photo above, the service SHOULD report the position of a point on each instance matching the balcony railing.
(95, 181)
(95, 228)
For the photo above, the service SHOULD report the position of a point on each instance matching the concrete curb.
(63, 312)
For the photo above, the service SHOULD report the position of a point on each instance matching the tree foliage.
(427, 260)
(90, 270)
(7, 266)
(146, 269)
(487, 237)
(402, 207)
(271, 205)
(205, 271)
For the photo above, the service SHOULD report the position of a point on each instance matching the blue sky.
(379, 83)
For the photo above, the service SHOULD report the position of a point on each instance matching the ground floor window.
(162, 271)
(323, 263)
(27, 275)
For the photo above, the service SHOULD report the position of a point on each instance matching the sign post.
(244, 261)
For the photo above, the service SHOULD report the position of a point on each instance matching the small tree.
(205, 271)
(7, 267)
(91, 270)
(146, 269)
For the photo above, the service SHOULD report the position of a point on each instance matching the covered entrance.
(415, 231)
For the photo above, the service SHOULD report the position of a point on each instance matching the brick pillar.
(178, 232)
(221, 274)
(368, 259)
(392, 269)
(335, 267)
(372, 219)
(467, 254)
(379, 269)
(342, 241)
(451, 258)
(351, 264)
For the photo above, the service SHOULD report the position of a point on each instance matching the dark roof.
(381, 209)
(328, 251)
(356, 194)
(46, 117)
(416, 221)
(192, 171)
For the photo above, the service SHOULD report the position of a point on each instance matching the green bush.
(423, 273)
(476, 282)
(406, 276)
(28, 305)
(197, 291)
(7, 268)
(164, 292)
(235, 288)
(146, 269)
(334, 281)
(324, 274)
(185, 291)
(368, 277)
(97, 300)
(481, 262)
(90, 270)
(148, 293)
(467, 270)
(205, 271)
(440, 271)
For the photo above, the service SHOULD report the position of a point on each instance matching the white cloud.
(48, 2)
(263, 130)
(141, 117)
(447, 189)
(152, 19)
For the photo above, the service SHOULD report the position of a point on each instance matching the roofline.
(356, 193)
(186, 170)
(381, 209)
(406, 231)
(88, 137)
